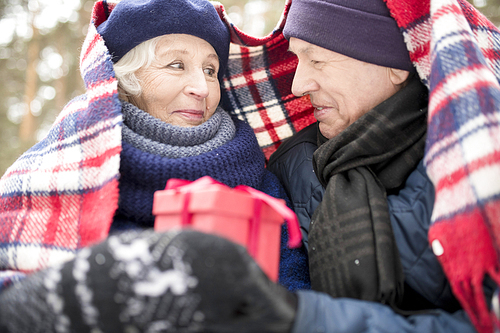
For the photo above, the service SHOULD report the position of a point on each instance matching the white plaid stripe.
(284, 131)
(96, 54)
(75, 105)
(457, 85)
(264, 138)
(29, 259)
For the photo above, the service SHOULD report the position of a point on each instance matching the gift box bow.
(278, 205)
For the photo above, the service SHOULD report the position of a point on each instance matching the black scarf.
(352, 247)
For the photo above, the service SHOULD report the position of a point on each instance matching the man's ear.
(397, 76)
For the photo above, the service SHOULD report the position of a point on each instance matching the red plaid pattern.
(62, 193)
(258, 84)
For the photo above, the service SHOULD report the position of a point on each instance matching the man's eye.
(315, 62)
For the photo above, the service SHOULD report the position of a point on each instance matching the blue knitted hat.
(135, 21)
(360, 29)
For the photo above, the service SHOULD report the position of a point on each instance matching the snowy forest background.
(40, 43)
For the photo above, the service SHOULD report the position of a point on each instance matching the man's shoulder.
(306, 137)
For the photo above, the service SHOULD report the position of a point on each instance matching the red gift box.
(242, 214)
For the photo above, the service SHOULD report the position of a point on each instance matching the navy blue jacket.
(426, 286)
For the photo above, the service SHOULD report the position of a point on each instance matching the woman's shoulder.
(272, 186)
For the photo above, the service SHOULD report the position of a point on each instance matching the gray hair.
(140, 56)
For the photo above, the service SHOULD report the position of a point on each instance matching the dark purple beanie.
(135, 21)
(360, 29)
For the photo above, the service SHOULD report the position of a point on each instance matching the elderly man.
(356, 178)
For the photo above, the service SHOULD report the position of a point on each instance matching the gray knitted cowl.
(151, 135)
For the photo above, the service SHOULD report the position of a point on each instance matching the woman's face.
(180, 86)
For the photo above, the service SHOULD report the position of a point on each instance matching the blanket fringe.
(467, 256)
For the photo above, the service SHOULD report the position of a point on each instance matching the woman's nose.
(197, 85)
(302, 83)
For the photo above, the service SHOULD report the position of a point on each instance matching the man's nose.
(303, 82)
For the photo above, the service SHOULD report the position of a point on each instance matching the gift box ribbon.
(187, 187)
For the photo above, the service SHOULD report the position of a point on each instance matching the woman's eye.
(209, 71)
(177, 65)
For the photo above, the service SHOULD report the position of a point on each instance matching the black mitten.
(235, 295)
(147, 282)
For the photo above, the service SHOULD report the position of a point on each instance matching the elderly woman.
(168, 82)
(96, 172)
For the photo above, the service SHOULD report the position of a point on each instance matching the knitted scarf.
(455, 50)
(154, 136)
(234, 158)
(352, 251)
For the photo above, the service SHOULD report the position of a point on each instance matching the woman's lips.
(191, 114)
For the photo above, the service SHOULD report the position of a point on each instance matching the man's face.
(341, 88)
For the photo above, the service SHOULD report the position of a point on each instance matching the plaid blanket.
(456, 52)
(62, 193)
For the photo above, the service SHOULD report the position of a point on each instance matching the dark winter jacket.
(426, 286)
